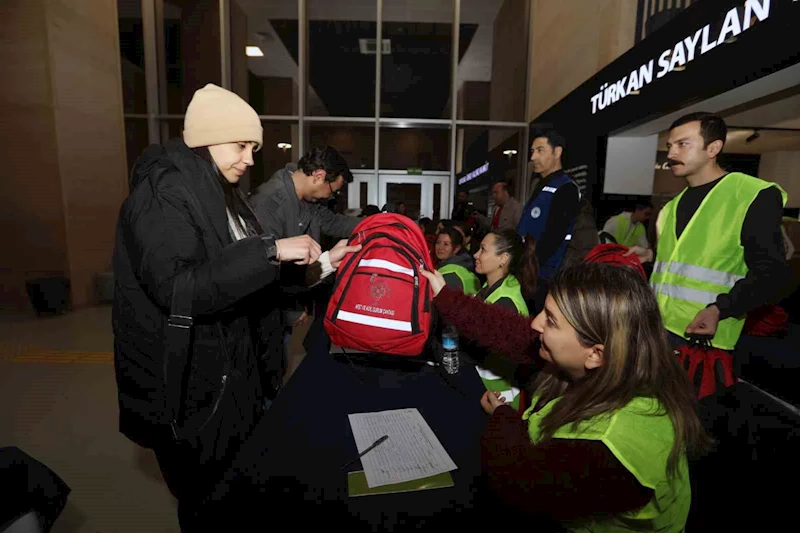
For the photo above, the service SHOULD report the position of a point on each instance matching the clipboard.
(357, 484)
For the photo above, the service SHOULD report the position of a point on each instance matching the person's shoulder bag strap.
(178, 342)
(177, 350)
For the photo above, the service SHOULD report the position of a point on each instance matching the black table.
(293, 460)
(771, 363)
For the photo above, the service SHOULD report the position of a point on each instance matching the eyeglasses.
(334, 194)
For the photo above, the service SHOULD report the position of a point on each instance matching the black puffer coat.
(175, 220)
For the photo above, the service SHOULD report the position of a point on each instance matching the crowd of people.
(591, 420)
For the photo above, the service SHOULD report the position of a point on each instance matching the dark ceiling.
(415, 80)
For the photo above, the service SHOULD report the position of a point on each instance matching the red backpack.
(381, 302)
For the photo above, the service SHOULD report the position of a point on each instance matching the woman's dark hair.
(370, 210)
(235, 201)
(456, 239)
(523, 264)
(427, 226)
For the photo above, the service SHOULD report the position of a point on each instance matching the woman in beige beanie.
(197, 336)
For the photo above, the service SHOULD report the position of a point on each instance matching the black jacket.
(173, 221)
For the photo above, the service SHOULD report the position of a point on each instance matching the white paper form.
(411, 452)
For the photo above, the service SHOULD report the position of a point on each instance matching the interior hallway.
(60, 406)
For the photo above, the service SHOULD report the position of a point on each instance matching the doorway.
(425, 195)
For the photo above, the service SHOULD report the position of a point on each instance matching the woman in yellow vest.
(604, 446)
(510, 268)
(455, 265)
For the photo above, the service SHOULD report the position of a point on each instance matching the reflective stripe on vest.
(470, 283)
(717, 277)
(489, 376)
(685, 293)
(641, 436)
(708, 259)
(510, 288)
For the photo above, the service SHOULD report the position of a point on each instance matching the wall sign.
(769, 44)
(474, 174)
(681, 53)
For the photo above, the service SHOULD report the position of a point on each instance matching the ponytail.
(523, 264)
(529, 274)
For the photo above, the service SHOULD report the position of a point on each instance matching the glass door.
(425, 195)
(363, 191)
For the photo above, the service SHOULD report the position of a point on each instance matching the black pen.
(369, 449)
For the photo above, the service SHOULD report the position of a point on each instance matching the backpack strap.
(177, 350)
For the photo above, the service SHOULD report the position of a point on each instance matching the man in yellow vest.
(720, 250)
(628, 228)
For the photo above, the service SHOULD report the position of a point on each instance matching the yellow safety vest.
(469, 281)
(496, 370)
(624, 235)
(641, 436)
(708, 258)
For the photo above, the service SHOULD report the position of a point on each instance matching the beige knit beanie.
(217, 116)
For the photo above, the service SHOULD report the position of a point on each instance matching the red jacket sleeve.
(492, 326)
(563, 479)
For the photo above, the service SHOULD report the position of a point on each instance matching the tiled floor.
(60, 406)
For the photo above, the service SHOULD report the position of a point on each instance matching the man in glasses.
(294, 202)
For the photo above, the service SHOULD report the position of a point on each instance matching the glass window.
(264, 50)
(135, 139)
(280, 148)
(409, 194)
(501, 148)
(437, 200)
(415, 70)
(341, 58)
(356, 142)
(417, 148)
(173, 127)
(189, 53)
(492, 61)
(131, 47)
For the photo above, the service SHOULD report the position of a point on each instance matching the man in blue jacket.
(549, 216)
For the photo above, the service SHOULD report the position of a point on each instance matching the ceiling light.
(509, 152)
(253, 51)
(284, 146)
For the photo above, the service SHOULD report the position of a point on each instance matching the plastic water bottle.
(450, 349)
